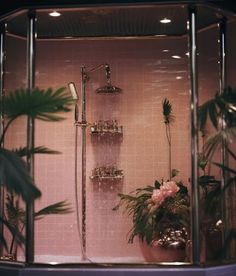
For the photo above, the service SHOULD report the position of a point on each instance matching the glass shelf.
(101, 178)
(106, 127)
(106, 173)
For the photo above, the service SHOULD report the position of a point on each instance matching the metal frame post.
(194, 136)
(224, 155)
(31, 37)
(2, 92)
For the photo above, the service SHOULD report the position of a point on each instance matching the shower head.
(109, 88)
(73, 91)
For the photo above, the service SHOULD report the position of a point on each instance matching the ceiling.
(113, 21)
(7, 6)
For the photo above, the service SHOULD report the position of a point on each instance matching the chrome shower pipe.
(83, 124)
(2, 92)
(194, 135)
(31, 37)
(224, 155)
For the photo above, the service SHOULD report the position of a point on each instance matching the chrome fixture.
(106, 127)
(75, 97)
(106, 172)
(73, 91)
(109, 88)
(85, 77)
(194, 135)
(31, 41)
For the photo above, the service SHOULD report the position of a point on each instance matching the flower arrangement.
(160, 212)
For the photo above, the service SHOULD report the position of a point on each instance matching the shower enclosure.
(121, 63)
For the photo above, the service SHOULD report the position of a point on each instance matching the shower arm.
(85, 74)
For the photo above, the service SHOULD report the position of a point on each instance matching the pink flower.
(169, 188)
(157, 196)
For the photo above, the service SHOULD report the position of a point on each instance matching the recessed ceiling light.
(177, 57)
(160, 35)
(165, 20)
(165, 51)
(179, 77)
(54, 14)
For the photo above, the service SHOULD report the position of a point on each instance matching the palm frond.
(225, 168)
(15, 214)
(213, 114)
(3, 241)
(208, 108)
(223, 105)
(61, 207)
(14, 174)
(19, 238)
(24, 151)
(37, 104)
(167, 111)
(232, 154)
(215, 141)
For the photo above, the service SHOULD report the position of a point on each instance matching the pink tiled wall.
(146, 75)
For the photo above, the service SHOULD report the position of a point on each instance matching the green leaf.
(202, 114)
(225, 168)
(15, 213)
(215, 141)
(19, 238)
(2, 238)
(167, 111)
(174, 173)
(231, 153)
(61, 207)
(208, 180)
(24, 151)
(213, 113)
(37, 104)
(14, 174)
(157, 184)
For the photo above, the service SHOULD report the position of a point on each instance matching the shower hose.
(84, 254)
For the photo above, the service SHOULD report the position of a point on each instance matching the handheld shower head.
(73, 91)
(75, 97)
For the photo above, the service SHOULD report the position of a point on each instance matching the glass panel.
(15, 78)
(208, 57)
(217, 208)
(126, 143)
(231, 206)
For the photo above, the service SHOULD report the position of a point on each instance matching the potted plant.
(46, 105)
(220, 112)
(15, 215)
(160, 217)
(160, 212)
